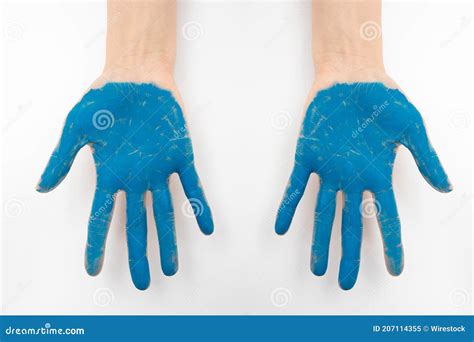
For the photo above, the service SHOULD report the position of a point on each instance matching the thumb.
(63, 156)
(416, 140)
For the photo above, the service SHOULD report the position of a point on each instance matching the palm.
(349, 138)
(139, 138)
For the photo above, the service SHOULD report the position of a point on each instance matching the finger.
(324, 217)
(99, 223)
(195, 194)
(351, 240)
(137, 241)
(294, 191)
(164, 218)
(416, 140)
(62, 158)
(389, 224)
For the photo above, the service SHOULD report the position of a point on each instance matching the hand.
(138, 138)
(350, 137)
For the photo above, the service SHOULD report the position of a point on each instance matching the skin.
(355, 122)
(132, 119)
(141, 43)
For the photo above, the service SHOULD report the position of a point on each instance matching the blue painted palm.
(139, 138)
(349, 137)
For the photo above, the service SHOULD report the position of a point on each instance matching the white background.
(250, 63)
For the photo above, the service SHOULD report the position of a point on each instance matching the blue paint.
(350, 137)
(138, 137)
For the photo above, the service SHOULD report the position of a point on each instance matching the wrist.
(348, 64)
(139, 67)
(157, 74)
(141, 38)
(144, 54)
(347, 37)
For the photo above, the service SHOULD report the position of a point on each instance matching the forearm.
(347, 36)
(141, 38)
